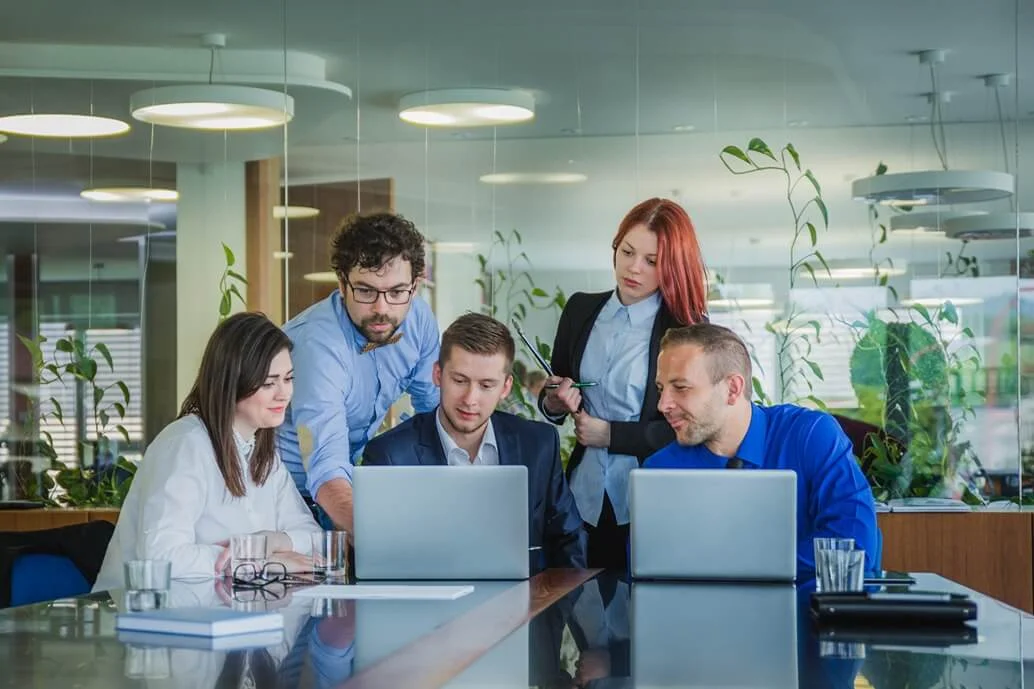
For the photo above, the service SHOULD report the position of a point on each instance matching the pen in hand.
(554, 386)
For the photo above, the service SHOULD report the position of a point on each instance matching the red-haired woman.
(611, 339)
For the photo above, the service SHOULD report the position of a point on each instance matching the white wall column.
(210, 212)
(455, 290)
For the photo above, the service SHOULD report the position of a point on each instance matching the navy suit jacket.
(554, 522)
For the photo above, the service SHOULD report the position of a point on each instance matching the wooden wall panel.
(37, 520)
(991, 552)
(308, 239)
(265, 272)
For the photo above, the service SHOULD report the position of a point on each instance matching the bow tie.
(370, 346)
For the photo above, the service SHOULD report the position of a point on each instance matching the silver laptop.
(750, 637)
(441, 522)
(717, 525)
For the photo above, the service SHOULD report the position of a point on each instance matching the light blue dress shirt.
(617, 357)
(341, 395)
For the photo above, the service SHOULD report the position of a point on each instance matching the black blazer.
(638, 438)
(555, 524)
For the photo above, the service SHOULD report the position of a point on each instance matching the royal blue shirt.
(833, 497)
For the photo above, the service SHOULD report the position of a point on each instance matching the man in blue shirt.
(703, 375)
(355, 353)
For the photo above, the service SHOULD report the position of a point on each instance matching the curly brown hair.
(369, 241)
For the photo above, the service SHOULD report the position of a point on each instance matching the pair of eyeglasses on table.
(249, 577)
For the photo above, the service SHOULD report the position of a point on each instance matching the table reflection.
(605, 634)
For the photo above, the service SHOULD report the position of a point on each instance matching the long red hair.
(680, 267)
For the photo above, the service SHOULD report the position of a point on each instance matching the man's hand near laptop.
(335, 497)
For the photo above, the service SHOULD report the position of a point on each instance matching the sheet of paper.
(386, 591)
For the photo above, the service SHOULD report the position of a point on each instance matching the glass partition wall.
(858, 185)
(125, 139)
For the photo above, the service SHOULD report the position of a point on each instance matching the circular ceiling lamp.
(533, 178)
(991, 226)
(934, 187)
(926, 222)
(130, 195)
(294, 212)
(62, 126)
(472, 107)
(213, 107)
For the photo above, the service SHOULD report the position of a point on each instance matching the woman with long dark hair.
(215, 472)
(612, 339)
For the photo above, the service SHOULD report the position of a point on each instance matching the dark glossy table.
(562, 628)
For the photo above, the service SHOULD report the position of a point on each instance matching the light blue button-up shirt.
(341, 395)
(617, 357)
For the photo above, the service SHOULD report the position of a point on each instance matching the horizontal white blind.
(749, 324)
(831, 351)
(124, 346)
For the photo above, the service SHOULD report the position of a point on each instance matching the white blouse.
(178, 507)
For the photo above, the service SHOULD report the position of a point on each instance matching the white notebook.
(199, 621)
(230, 642)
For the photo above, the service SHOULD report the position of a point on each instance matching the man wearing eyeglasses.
(355, 353)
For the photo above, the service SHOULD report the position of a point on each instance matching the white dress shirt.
(488, 453)
(179, 508)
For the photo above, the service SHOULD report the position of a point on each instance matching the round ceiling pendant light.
(130, 195)
(61, 126)
(934, 187)
(991, 226)
(533, 178)
(294, 212)
(212, 107)
(926, 222)
(472, 107)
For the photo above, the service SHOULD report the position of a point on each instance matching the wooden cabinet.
(991, 552)
(36, 520)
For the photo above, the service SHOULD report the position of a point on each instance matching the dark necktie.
(370, 346)
(734, 463)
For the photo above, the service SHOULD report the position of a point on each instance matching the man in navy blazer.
(474, 372)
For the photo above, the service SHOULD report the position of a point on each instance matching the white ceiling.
(612, 79)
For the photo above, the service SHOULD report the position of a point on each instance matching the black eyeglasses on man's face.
(395, 296)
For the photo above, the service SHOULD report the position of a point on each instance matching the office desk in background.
(544, 632)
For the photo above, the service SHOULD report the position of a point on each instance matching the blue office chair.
(38, 566)
(36, 578)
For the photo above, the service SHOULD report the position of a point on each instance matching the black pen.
(542, 362)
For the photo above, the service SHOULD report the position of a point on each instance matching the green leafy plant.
(73, 363)
(879, 234)
(228, 285)
(914, 378)
(511, 294)
(794, 333)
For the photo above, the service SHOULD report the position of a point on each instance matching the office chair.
(861, 435)
(37, 566)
